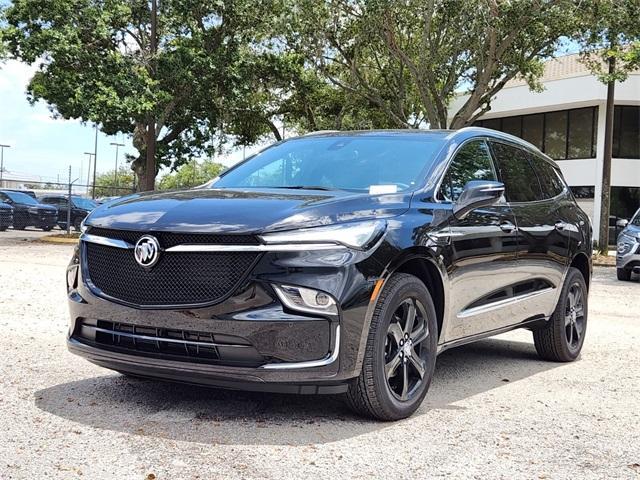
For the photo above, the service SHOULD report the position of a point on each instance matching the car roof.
(452, 136)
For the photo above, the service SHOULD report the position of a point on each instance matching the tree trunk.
(149, 181)
(603, 237)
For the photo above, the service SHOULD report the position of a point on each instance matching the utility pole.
(2, 147)
(89, 170)
(603, 237)
(95, 162)
(115, 172)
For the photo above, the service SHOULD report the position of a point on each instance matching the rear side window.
(520, 181)
(472, 162)
(549, 180)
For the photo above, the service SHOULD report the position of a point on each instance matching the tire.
(76, 224)
(47, 229)
(623, 274)
(557, 340)
(372, 394)
(19, 227)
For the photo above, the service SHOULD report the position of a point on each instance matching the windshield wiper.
(305, 187)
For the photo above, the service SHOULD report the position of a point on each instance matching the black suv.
(28, 212)
(6, 216)
(80, 208)
(336, 263)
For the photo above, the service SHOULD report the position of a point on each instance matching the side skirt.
(531, 323)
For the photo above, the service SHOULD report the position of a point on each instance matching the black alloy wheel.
(562, 337)
(400, 354)
(406, 349)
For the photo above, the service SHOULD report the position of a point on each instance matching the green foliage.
(610, 29)
(109, 184)
(409, 58)
(96, 64)
(191, 175)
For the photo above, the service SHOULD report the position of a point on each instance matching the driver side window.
(472, 162)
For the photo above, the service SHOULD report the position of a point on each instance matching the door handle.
(560, 225)
(507, 227)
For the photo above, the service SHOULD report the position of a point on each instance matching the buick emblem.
(147, 251)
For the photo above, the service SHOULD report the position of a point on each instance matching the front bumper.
(628, 256)
(286, 351)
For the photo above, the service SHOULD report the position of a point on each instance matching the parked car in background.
(28, 212)
(80, 208)
(31, 193)
(6, 216)
(628, 256)
(336, 263)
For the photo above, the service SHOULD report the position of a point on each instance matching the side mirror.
(477, 194)
(622, 223)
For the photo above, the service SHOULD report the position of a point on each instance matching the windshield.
(21, 198)
(636, 219)
(85, 203)
(377, 164)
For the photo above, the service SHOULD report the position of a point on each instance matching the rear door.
(538, 203)
(483, 248)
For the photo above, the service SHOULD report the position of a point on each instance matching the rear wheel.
(623, 274)
(562, 337)
(400, 354)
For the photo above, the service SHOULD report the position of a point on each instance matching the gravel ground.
(494, 410)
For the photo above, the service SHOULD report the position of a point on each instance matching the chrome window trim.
(328, 360)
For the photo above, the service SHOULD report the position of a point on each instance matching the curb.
(60, 240)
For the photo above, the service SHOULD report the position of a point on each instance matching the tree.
(610, 46)
(410, 57)
(191, 175)
(107, 184)
(165, 72)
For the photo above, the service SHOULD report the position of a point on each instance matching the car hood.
(631, 230)
(243, 210)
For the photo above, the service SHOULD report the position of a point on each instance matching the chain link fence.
(46, 205)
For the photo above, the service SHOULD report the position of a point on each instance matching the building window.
(626, 131)
(583, 192)
(563, 134)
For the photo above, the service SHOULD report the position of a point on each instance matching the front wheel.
(561, 339)
(400, 355)
(623, 274)
(47, 228)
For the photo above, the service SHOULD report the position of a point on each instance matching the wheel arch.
(582, 263)
(421, 263)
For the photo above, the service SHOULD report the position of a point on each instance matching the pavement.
(494, 409)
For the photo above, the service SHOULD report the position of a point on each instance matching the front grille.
(179, 278)
(170, 344)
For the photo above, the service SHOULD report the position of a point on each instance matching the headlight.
(306, 299)
(356, 235)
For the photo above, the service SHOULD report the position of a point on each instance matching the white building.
(566, 121)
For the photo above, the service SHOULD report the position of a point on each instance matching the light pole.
(115, 172)
(89, 170)
(2, 147)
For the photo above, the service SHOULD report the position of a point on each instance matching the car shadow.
(212, 416)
